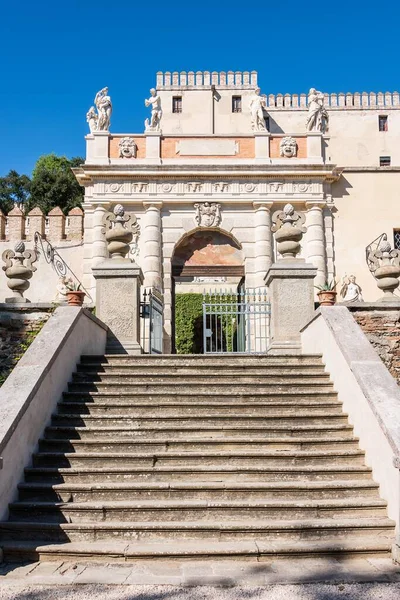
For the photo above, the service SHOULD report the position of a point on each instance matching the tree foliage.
(54, 184)
(13, 188)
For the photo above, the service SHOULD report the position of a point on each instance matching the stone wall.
(381, 325)
(18, 328)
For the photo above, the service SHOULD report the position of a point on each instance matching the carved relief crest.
(127, 148)
(208, 214)
(288, 147)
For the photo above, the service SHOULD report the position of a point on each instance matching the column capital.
(315, 204)
(157, 204)
(263, 204)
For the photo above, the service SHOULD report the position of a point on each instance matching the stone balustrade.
(55, 226)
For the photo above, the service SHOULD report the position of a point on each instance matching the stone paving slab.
(199, 574)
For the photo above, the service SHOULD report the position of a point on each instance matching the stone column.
(263, 241)
(99, 245)
(152, 245)
(316, 246)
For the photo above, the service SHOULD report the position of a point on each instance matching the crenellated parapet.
(199, 79)
(55, 227)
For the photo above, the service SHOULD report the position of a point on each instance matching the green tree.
(13, 188)
(54, 184)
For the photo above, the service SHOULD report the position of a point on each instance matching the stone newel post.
(118, 282)
(290, 283)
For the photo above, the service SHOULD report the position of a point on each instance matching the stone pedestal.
(118, 304)
(291, 291)
(261, 140)
(153, 145)
(97, 147)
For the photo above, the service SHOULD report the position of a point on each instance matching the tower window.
(236, 104)
(383, 123)
(177, 104)
(396, 239)
(384, 161)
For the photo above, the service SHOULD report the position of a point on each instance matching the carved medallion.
(127, 148)
(288, 147)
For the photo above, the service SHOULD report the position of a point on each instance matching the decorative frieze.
(284, 188)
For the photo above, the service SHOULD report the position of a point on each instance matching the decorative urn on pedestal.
(384, 264)
(288, 226)
(118, 235)
(19, 269)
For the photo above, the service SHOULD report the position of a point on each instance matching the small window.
(383, 123)
(177, 104)
(396, 239)
(236, 104)
(384, 161)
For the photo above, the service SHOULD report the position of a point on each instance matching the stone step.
(190, 433)
(192, 459)
(209, 379)
(202, 369)
(256, 550)
(258, 395)
(184, 410)
(210, 361)
(178, 421)
(381, 529)
(221, 473)
(211, 387)
(170, 510)
(87, 492)
(198, 445)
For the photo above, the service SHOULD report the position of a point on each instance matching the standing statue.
(104, 109)
(257, 106)
(351, 291)
(318, 118)
(156, 111)
(91, 118)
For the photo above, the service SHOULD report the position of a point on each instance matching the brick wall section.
(18, 328)
(246, 148)
(382, 328)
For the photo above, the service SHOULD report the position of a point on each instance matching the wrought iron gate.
(236, 321)
(151, 322)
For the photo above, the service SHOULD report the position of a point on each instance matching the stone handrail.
(370, 395)
(30, 393)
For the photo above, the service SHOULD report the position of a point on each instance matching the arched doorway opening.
(204, 260)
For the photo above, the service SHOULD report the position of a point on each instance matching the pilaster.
(316, 245)
(152, 245)
(263, 240)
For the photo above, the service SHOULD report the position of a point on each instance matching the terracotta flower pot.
(75, 298)
(327, 297)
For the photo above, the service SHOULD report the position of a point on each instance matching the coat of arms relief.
(208, 214)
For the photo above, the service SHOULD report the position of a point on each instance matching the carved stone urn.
(19, 269)
(118, 235)
(386, 270)
(288, 226)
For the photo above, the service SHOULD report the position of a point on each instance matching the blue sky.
(55, 55)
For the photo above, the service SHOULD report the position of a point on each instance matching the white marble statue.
(104, 109)
(318, 118)
(156, 111)
(351, 291)
(63, 286)
(257, 105)
(91, 118)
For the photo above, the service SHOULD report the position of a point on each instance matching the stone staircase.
(198, 457)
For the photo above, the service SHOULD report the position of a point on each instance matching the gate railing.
(236, 321)
(151, 322)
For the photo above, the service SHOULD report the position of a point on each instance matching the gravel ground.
(389, 591)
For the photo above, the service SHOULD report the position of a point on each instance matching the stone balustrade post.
(316, 245)
(152, 245)
(263, 241)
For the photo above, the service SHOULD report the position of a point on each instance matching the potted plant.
(327, 293)
(75, 296)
